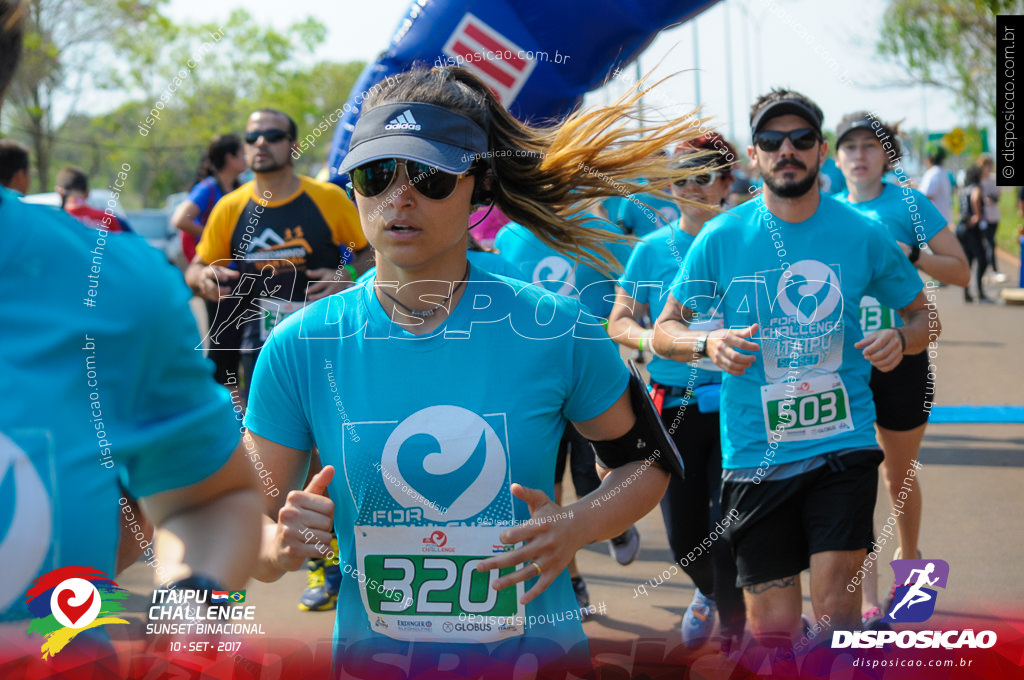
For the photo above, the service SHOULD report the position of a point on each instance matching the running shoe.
(579, 587)
(699, 620)
(625, 547)
(323, 583)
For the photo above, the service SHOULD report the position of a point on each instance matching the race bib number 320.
(815, 408)
(428, 577)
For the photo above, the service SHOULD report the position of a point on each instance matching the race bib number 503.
(814, 408)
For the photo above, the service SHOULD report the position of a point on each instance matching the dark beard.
(793, 189)
(271, 166)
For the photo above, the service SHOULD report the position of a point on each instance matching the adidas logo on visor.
(404, 121)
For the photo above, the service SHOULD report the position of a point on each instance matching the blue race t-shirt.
(653, 265)
(807, 392)
(104, 383)
(911, 218)
(641, 214)
(541, 264)
(427, 433)
(832, 179)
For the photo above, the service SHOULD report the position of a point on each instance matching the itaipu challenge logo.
(69, 600)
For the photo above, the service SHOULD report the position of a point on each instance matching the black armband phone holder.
(648, 439)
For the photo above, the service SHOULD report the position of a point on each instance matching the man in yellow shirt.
(276, 243)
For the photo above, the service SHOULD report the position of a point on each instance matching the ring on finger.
(540, 571)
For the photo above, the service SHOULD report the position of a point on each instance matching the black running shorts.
(903, 396)
(782, 523)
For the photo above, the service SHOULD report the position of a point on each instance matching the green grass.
(1009, 222)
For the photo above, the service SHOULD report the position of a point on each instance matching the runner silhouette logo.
(914, 597)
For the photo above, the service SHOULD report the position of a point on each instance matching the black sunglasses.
(271, 135)
(771, 140)
(373, 178)
(701, 180)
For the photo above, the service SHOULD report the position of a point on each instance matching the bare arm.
(297, 524)
(184, 218)
(208, 281)
(674, 340)
(622, 322)
(947, 261)
(552, 544)
(211, 527)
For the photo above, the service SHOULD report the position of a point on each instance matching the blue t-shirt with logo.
(911, 218)
(427, 433)
(832, 179)
(104, 384)
(541, 264)
(807, 392)
(653, 265)
(641, 214)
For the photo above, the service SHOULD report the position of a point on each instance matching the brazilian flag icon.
(237, 596)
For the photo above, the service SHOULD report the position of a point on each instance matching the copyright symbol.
(1007, 171)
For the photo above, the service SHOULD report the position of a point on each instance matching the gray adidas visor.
(420, 132)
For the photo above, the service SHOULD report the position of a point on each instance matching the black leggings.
(691, 507)
(990, 245)
(973, 242)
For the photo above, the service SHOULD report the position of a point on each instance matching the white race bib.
(874, 316)
(429, 577)
(812, 408)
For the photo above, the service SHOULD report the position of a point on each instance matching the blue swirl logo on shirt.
(810, 292)
(27, 534)
(446, 460)
(556, 274)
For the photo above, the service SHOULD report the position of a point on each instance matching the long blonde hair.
(544, 175)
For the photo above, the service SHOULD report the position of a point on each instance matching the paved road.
(972, 478)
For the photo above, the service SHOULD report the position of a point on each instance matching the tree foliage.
(176, 86)
(949, 44)
(62, 41)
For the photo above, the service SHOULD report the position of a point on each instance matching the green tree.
(62, 39)
(948, 44)
(205, 79)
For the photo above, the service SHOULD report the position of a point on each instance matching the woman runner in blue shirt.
(436, 393)
(866, 148)
(687, 395)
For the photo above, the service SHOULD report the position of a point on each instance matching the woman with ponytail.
(436, 393)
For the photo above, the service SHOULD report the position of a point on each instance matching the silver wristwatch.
(701, 346)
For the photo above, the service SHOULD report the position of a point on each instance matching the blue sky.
(772, 43)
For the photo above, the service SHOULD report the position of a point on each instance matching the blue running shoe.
(323, 583)
(699, 620)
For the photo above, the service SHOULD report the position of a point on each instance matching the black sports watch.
(915, 254)
(700, 346)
